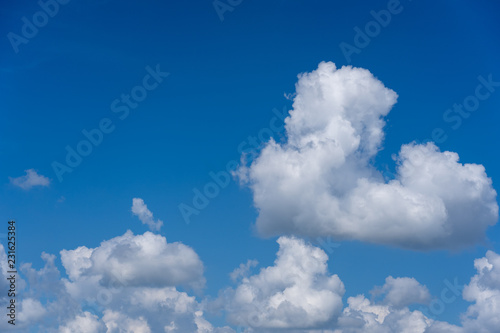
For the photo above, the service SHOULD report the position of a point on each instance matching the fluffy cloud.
(298, 295)
(297, 292)
(127, 284)
(484, 290)
(83, 323)
(30, 180)
(142, 260)
(483, 316)
(140, 209)
(322, 182)
(401, 292)
(362, 316)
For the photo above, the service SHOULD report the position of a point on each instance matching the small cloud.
(30, 180)
(243, 270)
(140, 209)
(61, 199)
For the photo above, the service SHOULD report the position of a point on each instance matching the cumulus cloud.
(483, 316)
(132, 260)
(296, 292)
(30, 180)
(127, 284)
(140, 209)
(362, 315)
(322, 181)
(484, 290)
(83, 323)
(243, 270)
(298, 295)
(401, 292)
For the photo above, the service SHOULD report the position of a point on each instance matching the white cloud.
(140, 209)
(30, 180)
(31, 310)
(297, 292)
(127, 284)
(362, 316)
(243, 270)
(322, 182)
(119, 323)
(484, 290)
(401, 292)
(132, 260)
(83, 323)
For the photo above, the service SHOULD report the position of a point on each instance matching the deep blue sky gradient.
(225, 79)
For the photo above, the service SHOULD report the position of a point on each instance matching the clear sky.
(121, 119)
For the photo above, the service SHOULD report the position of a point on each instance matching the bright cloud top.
(321, 182)
(140, 209)
(30, 180)
(127, 284)
(297, 292)
(142, 260)
(401, 292)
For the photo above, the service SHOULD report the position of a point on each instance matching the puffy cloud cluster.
(484, 290)
(127, 284)
(297, 292)
(30, 180)
(401, 292)
(298, 295)
(322, 181)
(140, 209)
(142, 260)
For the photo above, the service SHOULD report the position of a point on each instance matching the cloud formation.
(297, 292)
(30, 180)
(127, 284)
(132, 260)
(484, 291)
(268, 302)
(322, 181)
(140, 209)
(401, 292)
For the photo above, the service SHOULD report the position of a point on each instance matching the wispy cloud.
(140, 209)
(30, 180)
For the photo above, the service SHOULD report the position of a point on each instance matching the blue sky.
(229, 65)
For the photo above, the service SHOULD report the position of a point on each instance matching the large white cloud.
(127, 284)
(321, 182)
(252, 304)
(298, 295)
(297, 292)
